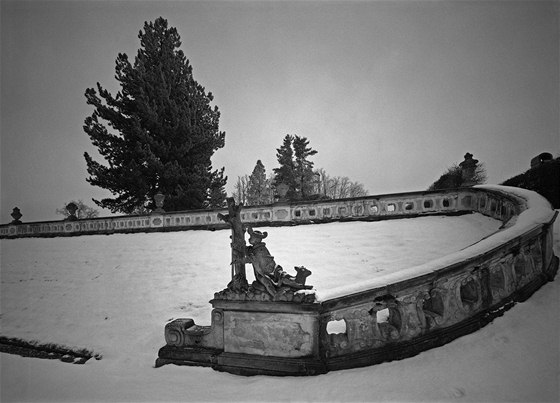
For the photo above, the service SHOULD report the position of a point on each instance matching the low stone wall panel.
(484, 286)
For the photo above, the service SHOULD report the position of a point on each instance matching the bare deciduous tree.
(338, 187)
(241, 188)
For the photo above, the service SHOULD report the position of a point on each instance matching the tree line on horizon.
(294, 179)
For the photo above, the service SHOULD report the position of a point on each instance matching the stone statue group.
(270, 278)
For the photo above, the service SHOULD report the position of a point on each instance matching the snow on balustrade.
(411, 204)
(452, 295)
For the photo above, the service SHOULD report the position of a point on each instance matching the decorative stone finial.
(71, 208)
(16, 215)
(468, 167)
(159, 198)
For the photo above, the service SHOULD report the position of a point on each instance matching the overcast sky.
(389, 93)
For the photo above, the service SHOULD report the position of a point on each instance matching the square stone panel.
(270, 333)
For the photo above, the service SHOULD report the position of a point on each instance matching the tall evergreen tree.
(258, 188)
(285, 173)
(218, 195)
(162, 130)
(303, 168)
(295, 169)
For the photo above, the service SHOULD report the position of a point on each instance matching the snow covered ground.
(114, 294)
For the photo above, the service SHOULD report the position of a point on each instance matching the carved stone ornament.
(16, 215)
(271, 283)
(159, 199)
(71, 208)
(468, 169)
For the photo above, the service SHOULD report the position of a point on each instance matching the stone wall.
(400, 205)
(390, 317)
(433, 307)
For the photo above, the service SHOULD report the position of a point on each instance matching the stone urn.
(72, 208)
(468, 169)
(282, 190)
(16, 215)
(159, 198)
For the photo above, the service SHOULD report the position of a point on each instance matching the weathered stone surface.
(271, 283)
(266, 330)
(271, 334)
(16, 215)
(184, 332)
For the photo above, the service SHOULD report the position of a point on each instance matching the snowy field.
(114, 294)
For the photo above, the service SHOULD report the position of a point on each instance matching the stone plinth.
(270, 328)
(249, 337)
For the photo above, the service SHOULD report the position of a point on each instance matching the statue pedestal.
(249, 338)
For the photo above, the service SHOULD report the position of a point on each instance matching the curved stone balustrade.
(401, 314)
(394, 315)
(413, 204)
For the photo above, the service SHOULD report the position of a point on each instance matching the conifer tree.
(218, 195)
(295, 170)
(303, 168)
(158, 133)
(258, 187)
(285, 173)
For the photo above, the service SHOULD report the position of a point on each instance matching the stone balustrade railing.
(427, 306)
(392, 316)
(364, 208)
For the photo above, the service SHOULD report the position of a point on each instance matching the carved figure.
(267, 273)
(271, 283)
